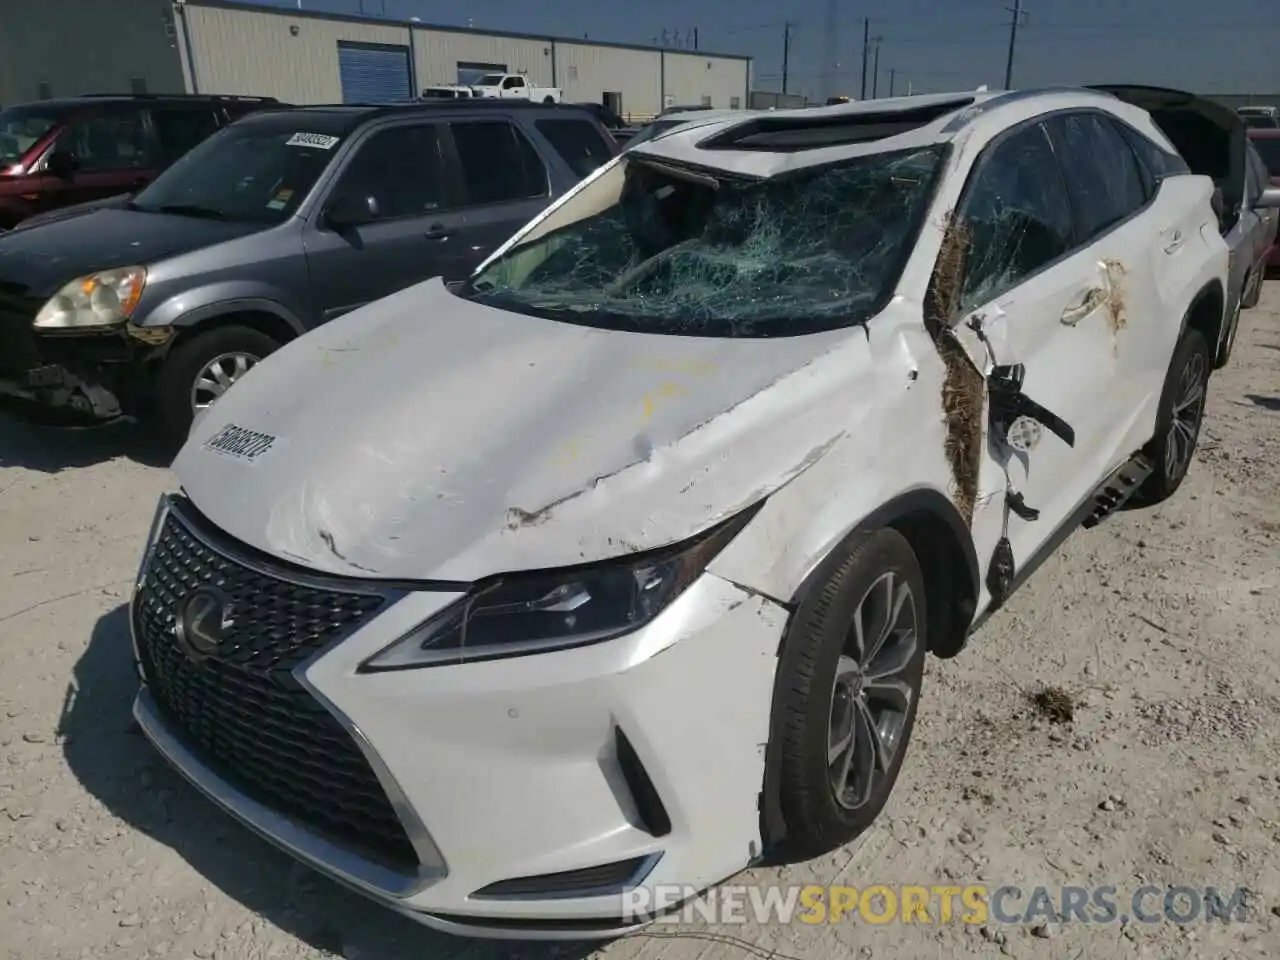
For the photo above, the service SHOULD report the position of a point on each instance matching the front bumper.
(93, 376)
(514, 770)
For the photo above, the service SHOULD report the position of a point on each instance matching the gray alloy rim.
(1188, 409)
(870, 697)
(218, 376)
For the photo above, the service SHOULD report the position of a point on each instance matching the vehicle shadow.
(49, 448)
(115, 763)
(1266, 403)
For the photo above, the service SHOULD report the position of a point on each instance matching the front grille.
(241, 710)
(18, 351)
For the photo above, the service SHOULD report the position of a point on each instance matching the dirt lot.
(1160, 625)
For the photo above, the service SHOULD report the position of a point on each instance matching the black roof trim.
(371, 111)
(443, 28)
(175, 96)
(782, 134)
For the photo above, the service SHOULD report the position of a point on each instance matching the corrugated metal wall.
(259, 54)
(293, 56)
(690, 78)
(76, 47)
(586, 71)
(438, 53)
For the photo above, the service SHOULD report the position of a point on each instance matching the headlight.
(532, 613)
(98, 300)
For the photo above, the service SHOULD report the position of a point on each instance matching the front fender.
(191, 307)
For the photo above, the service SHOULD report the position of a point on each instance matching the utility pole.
(1017, 12)
(875, 67)
(893, 75)
(866, 43)
(786, 53)
(695, 38)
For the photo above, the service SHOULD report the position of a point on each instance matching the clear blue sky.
(1213, 46)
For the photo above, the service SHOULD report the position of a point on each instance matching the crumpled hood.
(430, 437)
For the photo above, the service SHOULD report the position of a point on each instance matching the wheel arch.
(1208, 314)
(276, 324)
(944, 546)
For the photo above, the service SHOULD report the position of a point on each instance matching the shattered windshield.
(660, 249)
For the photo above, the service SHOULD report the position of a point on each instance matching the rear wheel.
(1178, 420)
(849, 680)
(202, 369)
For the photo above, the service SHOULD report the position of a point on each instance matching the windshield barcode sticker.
(320, 141)
(233, 441)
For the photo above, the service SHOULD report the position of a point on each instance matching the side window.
(1017, 215)
(178, 130)
(1257, 172)
(578, 142)
(513, 83)
(106, 141)
(498, 162)
(1159, 162)
(401, 168)
(1101, 170)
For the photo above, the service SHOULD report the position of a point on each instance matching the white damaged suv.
(617, 566)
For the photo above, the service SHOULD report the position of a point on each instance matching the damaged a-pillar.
(963, 386)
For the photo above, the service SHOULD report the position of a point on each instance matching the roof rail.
(177, 96)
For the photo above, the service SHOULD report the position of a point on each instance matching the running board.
(1118, 488)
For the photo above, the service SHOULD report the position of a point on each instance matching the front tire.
(201, 369)
(849, 677)
(1178, 419)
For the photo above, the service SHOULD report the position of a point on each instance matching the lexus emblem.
(204, 617)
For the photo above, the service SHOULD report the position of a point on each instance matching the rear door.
(504, 184)
(1134, 241)
(402, 168)
(1212, 139)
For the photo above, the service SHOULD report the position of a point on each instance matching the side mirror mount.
(62, 164)
(1269, 199)
(344, 213)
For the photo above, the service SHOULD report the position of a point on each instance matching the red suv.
(55, 153)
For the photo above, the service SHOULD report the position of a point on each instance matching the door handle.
(1176, 240)
(1088, 302)
(437, 232)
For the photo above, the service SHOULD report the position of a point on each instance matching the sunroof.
(798, 132)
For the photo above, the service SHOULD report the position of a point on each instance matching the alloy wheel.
(1188, 411)
(218, 376)
(871, 697)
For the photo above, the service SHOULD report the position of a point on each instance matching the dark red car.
(1266, 140)
(56, 153)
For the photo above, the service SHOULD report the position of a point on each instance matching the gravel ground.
(1159, 626)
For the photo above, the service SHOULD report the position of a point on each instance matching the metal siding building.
(585, 70)
(449, 56)
(691, 78)
(67, 47)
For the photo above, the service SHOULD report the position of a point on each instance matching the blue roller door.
(374, 73)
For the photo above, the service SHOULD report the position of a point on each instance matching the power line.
(786, 52)
(1017, 12)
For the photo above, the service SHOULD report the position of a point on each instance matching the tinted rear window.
(1269, 150)
(578, 142)
(498, 162)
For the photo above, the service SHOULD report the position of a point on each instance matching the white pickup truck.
(514, 86)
